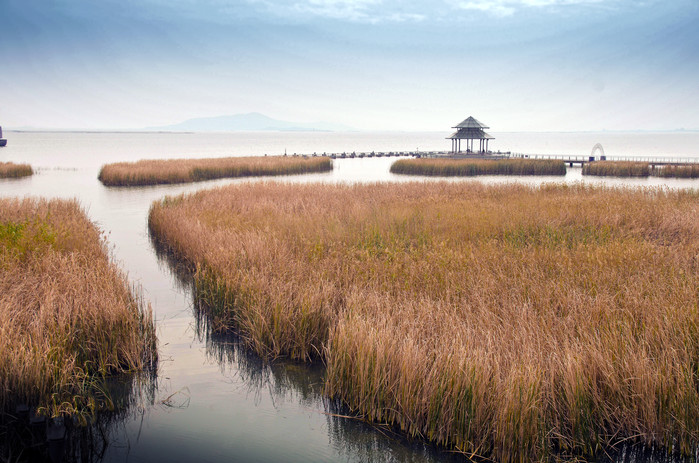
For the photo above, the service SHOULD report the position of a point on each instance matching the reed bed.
(510, 322)
(67, 315)
(617, 168)
(472, 167)
(686, 171)
(12, 170)
(166, 171)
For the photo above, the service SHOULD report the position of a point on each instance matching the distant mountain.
(247, 122)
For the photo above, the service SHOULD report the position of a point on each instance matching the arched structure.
(598, 148)
(470, 129)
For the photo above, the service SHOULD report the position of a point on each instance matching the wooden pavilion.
(470, 129)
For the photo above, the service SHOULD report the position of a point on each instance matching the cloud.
(352, 10)
(360, 11)
(509, 7)
(397, 11)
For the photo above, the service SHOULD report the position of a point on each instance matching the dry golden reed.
(685, 171)
(471, 167)
(617, 168)
(12, 170)
(67, 316)
(511, 322)
(164, 171)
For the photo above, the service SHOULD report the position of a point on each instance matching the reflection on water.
(26, 435)
(642, 454)
(283, 382)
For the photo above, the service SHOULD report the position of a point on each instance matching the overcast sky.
(518, 65)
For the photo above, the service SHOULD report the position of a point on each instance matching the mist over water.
(213, 401)
(90, 150)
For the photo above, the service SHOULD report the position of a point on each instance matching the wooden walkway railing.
(578, 159)
(567, 158)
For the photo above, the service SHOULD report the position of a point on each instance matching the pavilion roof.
(471, 134)
(471, 123)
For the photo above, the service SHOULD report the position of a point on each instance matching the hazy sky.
(539, 65)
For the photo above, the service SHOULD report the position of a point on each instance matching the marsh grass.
(686, 171)
(472, 167)
(165, 171)
(12, 170)
(68, 318)
(509, 321)
(617, 169)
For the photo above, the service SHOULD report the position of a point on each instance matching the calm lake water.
(212, 401)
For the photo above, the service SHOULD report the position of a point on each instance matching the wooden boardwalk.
(580, 159)
(377, 154)
(567, 158)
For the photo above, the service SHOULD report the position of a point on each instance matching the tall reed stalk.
(12, 170)
(505, 321)
(67, 316)
(686, 171)
(164, 171)
(471, 167)
(617, 168)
